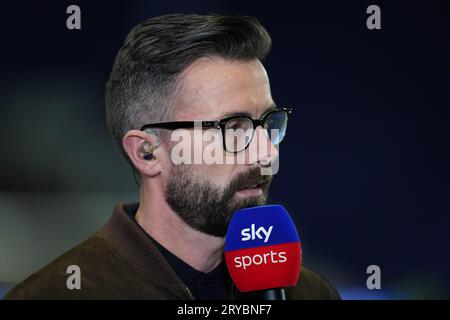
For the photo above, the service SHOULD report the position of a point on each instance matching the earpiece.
(147, 149)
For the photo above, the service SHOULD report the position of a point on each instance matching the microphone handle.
(274, 294)
(269, 294)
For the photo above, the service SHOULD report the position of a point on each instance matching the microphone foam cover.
(263, 249)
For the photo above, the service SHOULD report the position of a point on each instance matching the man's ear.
(143, 149)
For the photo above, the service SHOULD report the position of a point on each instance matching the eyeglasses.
(237, 131)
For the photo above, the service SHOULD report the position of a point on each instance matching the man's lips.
(254, 189)
(255, 184)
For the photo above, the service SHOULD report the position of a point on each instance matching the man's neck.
(201, 251)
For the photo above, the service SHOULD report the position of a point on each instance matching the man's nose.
(261, 149)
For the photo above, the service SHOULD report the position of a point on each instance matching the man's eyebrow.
(244, 113)
(273, 106)
(234, 113)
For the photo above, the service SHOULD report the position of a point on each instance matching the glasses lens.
(238, 133)
(276, 124)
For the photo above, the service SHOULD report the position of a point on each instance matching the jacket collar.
(138, 249)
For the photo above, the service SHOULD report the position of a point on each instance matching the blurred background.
(364, 169)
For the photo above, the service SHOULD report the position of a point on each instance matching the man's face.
(204, 195)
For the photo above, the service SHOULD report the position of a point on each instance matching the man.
(171, 71)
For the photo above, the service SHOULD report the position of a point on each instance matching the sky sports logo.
(252, 233)
(262, 248)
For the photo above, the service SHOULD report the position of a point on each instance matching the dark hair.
(143, 80)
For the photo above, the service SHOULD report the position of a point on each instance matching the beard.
(206, 207)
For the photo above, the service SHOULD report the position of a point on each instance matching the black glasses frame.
(218, 124)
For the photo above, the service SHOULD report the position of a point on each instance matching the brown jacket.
(120, 261)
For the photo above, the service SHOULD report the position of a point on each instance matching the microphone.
(263, 252)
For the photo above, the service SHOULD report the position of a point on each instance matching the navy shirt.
(214, 285)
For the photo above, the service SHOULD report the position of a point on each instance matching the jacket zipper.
(189, 293)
